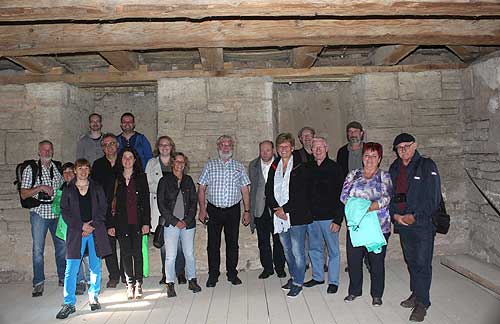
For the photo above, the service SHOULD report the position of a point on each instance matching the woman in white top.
(156, 168)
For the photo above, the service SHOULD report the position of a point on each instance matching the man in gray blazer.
(261, 218)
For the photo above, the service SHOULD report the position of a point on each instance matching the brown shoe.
(418, 313)
(409, 302)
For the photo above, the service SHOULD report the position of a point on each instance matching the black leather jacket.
(167, 196)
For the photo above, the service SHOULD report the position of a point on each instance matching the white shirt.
(265, 168)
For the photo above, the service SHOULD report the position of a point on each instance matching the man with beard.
(130, 138)
(349, 156)
(305, 136)
(47, 179)
(227, 183)
(89, 146)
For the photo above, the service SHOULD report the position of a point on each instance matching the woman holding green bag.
(130, 217)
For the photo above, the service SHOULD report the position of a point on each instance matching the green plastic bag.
(145, 256)
(62, 227)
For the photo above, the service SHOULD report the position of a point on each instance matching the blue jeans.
(72, 266)
(293, 242)
(319, 232)
(172, 236)
(418, 247)
(39, 228)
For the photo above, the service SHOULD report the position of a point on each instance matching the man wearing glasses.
(103, 173)
(417, 194)
(89, 146)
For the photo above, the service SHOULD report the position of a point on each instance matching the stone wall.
(112, 102)
(195, 112)
(428, 105)
(29, 114)
(322, 105)
(481, 138)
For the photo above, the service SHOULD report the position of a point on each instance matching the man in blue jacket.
(130, 138)
(417, 194)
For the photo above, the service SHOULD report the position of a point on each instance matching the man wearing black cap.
(349, 156)
(417, 194)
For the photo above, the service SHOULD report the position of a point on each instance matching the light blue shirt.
(224, 181)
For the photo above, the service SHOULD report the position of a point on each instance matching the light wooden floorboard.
(455, 299)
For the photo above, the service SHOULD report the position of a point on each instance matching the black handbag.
(441, 219)
(158, 238)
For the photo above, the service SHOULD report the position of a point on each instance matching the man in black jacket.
(349, 156)
(327, 211)
(417, 194)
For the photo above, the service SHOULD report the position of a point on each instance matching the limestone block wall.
(29, 114)
(428, 105)
(481, 138)
(112, 102)
(321, 105)
(195, 112)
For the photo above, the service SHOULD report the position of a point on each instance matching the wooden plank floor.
(455, 300)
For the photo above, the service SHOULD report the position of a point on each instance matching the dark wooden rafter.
(34, 64)
(20, 40)
(464, 53)
(152, 76)
(392, 54)
(304, 57)
(122, 60)
(33, 10)
(212, 59)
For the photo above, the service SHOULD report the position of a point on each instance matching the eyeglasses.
(109, 144)
(404, 148)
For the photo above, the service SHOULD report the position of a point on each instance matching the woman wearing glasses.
(375, 185)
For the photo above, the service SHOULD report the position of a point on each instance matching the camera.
(43, 196)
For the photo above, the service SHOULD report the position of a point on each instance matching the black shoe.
(170, 290)
(112, 283)
(193, 285)
(265, 274)
(294, 291)
(377, 301)
(235, 280)
(211, 282)
(37, 290)
(163, 280)
(418, 313)
(350, 298)
(60, 282)
(288, 285)
(65, 311)
(281, 273)
(312, 283)
(332, 289)
(181, 279)
(95, 305)
(80, 288)
(409, 302)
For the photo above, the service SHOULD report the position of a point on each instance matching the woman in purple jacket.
(83, 208)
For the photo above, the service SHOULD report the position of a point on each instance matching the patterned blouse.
(378, 188)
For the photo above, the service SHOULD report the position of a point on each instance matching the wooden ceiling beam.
(212, 59)
(35, 64)
(464, 53)
(21, 40)
(33, 10)
(88, 78)
(122, 60)
(303, 57)
(392, 54)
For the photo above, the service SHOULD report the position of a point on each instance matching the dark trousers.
(268, 256)
(418, 247)
(131, 256)
(227, 219)
(115, 270)
(180, 262)
(355, 265)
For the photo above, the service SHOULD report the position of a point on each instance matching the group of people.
(296, 200)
